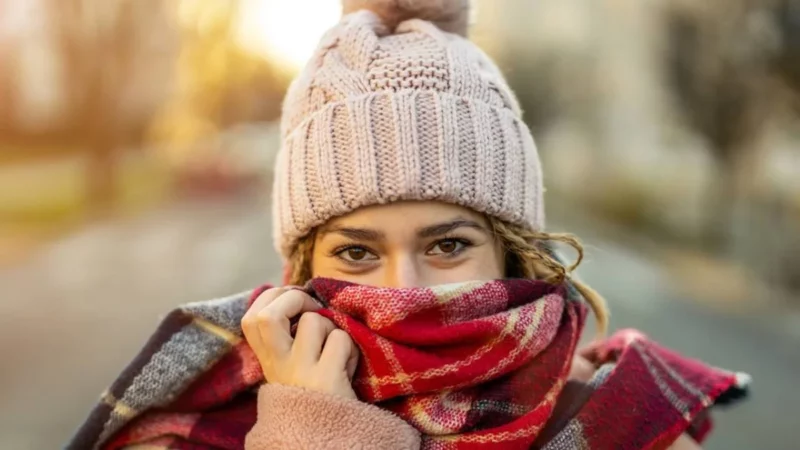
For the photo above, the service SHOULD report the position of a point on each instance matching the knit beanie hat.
(396, 104)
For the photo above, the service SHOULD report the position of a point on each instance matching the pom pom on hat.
(449, 15)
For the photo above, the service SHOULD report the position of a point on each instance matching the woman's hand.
(581, 370)
(320, 357)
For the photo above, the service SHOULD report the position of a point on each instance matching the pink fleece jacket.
(292, 418)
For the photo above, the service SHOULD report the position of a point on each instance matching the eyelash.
(338, 251)
(466, 244)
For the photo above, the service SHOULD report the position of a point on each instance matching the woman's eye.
(447, 247)
(356, 254)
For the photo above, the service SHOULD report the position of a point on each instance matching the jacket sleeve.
(291, 418)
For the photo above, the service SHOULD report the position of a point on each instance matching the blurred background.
(137, 140)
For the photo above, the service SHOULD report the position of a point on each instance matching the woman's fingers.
(319, 357)
(312, 332)
(274, 321)
(267, 326)
(352, 362)
(267, 297)
(338, 353)
(250, 326)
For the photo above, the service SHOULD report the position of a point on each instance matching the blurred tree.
(132, 68)
(102, 46)
(735, 67)
(219, 83)
(6, 97)
(787, 65)
(718, 66)
(787, 61)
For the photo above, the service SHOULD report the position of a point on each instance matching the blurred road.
(76, 313)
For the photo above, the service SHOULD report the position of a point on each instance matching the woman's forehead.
(407, 216)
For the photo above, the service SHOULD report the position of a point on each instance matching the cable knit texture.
(291, 418)
(383, 114)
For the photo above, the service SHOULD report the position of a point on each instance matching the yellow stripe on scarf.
(217, 330)
(119, 408)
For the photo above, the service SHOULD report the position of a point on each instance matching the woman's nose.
(404, 273)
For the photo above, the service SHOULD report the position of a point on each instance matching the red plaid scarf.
(475, 365)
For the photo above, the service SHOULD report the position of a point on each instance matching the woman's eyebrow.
(357, 234)
(440, 229)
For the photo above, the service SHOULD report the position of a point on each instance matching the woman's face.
(407, 244)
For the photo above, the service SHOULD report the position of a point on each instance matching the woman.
(405, 170)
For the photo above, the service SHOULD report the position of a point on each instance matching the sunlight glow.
(287, 30)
